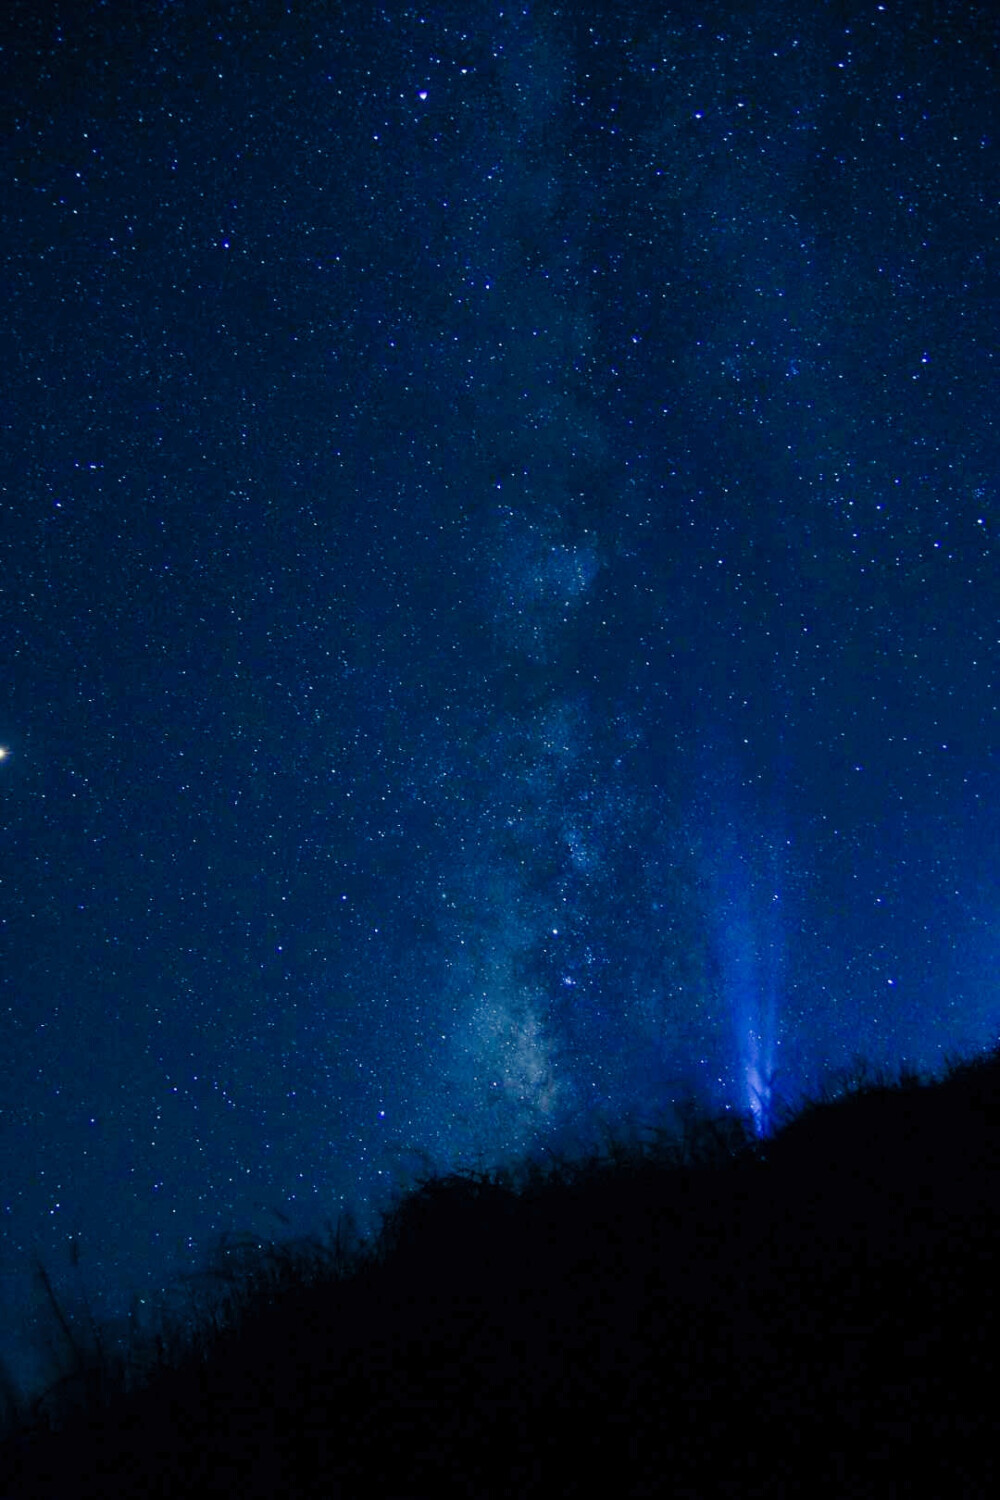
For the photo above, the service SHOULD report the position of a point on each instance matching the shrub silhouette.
(701, 1312)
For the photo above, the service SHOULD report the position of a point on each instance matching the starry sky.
(498, 595)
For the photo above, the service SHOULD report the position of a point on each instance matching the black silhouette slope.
(816, 1314)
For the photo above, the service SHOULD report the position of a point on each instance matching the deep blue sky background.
(498, 590)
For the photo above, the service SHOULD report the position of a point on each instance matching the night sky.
(498, 594)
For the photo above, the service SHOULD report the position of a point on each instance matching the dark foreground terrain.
(815, 1316)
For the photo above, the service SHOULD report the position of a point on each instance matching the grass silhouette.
(693, 1313)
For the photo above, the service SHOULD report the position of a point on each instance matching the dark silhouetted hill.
(815, 1315)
